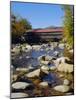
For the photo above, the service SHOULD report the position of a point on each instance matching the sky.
(39, 15)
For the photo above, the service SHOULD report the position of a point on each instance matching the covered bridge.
(44, 35)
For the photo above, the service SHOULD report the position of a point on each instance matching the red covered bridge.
(44, 35)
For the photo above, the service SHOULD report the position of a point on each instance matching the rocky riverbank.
(41, 70)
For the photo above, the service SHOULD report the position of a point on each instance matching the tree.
(18, 28)
(68, 25)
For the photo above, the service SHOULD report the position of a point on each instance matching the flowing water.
(31, 57)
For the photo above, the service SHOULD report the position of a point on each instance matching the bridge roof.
(47, 30)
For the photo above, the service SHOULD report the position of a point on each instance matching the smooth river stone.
(18, 95)
(33, 73)
(20, 85)
(62, 88)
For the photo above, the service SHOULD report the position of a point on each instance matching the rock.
(44, 62)
(45, 69)
(66, 82)
(62, 88)
(22, 69)
(52, 47)
(61, 60)
(47, 58)
(52, 68)
(18, 95)
(28, 47)
(61, 45)
(43, 74)
(69, 93)
(43, 84)
(20, 85)
(71, 51)
(33, 74)
(27, 57)
(15, 50)
(47, 49)
(61, 75)
(40, 57)
(36, 47)
(23, 48)
(13, 78)
(64, 67)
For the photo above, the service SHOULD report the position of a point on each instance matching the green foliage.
(68, 25)
(18, 27)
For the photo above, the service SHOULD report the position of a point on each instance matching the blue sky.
(39, 15)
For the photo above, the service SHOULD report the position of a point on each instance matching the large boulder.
(18, 95)
(20, 85)
(62, 88)
(60, 60)
(64, 67)
(33, 74)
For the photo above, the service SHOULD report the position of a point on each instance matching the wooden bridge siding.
(43, 36)
(47, 35)
(51, 37)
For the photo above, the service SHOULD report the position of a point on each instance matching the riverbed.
(40, 61)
